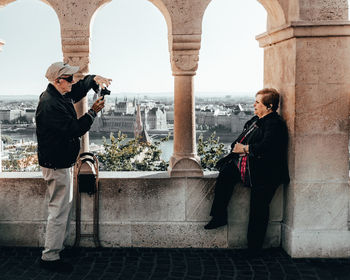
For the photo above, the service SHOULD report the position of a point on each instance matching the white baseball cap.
(58, 69)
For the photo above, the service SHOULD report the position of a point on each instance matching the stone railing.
(138, 209)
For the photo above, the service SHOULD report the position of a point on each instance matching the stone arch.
(4, 3)
(165, 12)
(100, 5)
(275, 13)
(17, 35)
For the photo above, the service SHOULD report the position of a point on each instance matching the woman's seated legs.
(228, 177)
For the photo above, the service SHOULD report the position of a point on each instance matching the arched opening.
(31, 45)
(129, 43)
(230, 69)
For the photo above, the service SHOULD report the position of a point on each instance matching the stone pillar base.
(330, 243)
(185, 167)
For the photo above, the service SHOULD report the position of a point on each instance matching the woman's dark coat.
(268, 143)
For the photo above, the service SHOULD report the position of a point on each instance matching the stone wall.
(137, 209)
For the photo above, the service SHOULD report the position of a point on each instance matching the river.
(165, 147)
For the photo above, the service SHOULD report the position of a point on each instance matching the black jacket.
(268, 144)
(57, 127)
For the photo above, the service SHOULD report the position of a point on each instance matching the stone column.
(75, 46)
(309, 62)
(75, 19)
(184, 60)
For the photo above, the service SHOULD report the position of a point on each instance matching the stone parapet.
(137, 209)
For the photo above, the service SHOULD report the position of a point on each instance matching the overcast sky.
(129, 44)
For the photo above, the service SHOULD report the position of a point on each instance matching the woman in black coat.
(258, 158)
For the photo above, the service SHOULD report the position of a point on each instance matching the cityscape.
(224, 114)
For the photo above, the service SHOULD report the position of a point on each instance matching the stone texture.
(22, 233)
(184, 162)
(237, 235)
(316, 243)
(142, 200)
(317, 206)
(199, 197)
(320, 109)
(277, 13)
(280, 72)
(22, 200)
(317, 159)
(314, 55)
(317, 10)
(140, 211)
(183, 17)
(177, 235)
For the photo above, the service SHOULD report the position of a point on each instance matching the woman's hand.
(240, 149)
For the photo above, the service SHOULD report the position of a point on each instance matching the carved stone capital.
(184, 54)
(78, 59)
(76, 48)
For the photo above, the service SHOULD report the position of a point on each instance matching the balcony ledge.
(137, 209)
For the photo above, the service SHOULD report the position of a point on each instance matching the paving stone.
(160, 263)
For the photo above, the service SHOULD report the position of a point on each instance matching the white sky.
(129, 44)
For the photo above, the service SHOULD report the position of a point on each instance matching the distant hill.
(18, 97)
(141, 95)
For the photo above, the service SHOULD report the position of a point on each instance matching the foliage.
(210, 151)
(24, 158)
(6, 139)
(132, 155)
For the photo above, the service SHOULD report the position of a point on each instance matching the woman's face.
(259, 108)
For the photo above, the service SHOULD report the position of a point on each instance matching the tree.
(132, 155)
(210, 151)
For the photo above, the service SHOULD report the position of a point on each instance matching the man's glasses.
(69, 79)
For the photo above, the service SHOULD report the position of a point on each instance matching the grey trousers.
(60, 193)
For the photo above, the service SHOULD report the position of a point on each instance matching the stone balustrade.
(137, 209)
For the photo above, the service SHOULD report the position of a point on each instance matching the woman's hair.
(269, 96)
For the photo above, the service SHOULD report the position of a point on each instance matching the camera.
(104, 91)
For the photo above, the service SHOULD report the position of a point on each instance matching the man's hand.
(98, 105)
(102, 82)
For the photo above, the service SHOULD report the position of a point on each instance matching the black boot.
(215, 223)
(56, 266)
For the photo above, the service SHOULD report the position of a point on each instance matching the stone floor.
(175, 264)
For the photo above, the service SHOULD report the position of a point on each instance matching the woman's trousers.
(260, 200)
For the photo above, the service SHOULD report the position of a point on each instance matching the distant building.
(239, 119)
(125, 107)
(7, 115)
(156, 119)
(170, 115)
(152, 117)
(29, 114)
(205, 117)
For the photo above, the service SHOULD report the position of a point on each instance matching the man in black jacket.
(58, 132)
